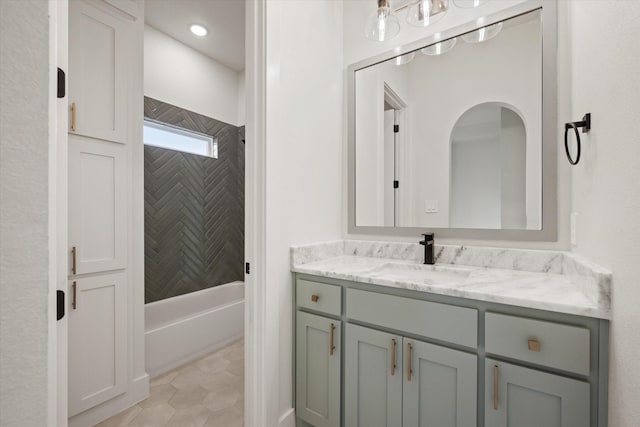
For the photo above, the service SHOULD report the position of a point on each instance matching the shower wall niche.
(194, 208)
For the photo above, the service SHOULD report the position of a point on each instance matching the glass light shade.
(440, 47)
(468, 4)
(483, 34)
(382, 24)
(404, 59)
(426, 12)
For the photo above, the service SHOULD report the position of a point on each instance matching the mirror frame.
(549, 230)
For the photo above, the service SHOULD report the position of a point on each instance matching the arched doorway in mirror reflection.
(488, 168)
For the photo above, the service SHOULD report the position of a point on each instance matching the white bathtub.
(181, 329)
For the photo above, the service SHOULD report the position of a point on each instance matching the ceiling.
(223, 18)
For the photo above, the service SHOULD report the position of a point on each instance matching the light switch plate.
(431, 206)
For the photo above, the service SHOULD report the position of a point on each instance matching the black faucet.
(428, 248)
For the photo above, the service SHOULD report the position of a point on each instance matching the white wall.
(357, 48)
(605, 58)
(178, 75)
(24, 213)
(242, 99)
(303, 157)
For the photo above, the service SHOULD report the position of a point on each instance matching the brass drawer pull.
(74, 254)
(496, 377)
(73, 116)
(332, 347)
(534, 345)
(73, 294)
(393, 356)
(315, 298)
(409, 371)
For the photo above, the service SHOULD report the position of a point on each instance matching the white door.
(98, 68)
(97, 205)
(97, 308)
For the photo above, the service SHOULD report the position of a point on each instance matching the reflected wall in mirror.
(450, 135)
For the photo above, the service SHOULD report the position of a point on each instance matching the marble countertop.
(546, 280)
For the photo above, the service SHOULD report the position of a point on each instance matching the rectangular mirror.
(453, 134)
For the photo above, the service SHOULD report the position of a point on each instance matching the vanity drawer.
(549, 344)
(319, 297)
(458, 325)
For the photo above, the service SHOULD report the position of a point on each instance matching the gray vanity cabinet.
(410, 359)
(318, 354)
(520, 397)
(373, 377)
(440, 387)
(394, 381)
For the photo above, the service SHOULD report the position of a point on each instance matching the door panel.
(442, 390)
(98, 66)
(97, 340)
(318, 370)
(530, 398)
(97, 205)
(373, 391)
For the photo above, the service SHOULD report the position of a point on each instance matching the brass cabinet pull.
(73, 116)
(534, 344)
(73, 294)
(74, 253)
(315, 298)
(409, 348)
(393, 356)
(331, 346)
(496, 384)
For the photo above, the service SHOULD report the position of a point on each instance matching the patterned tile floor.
(205, 393)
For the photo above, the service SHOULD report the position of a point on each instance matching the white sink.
(428, 274)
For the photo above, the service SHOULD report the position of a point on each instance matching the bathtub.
(181, 329)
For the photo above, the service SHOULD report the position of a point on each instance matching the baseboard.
(288, 418)
(137, 392)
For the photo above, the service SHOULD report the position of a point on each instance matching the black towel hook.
(585, 124)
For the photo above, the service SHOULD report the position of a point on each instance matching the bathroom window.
(179, 139)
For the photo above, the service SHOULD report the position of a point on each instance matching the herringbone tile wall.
(194, 208)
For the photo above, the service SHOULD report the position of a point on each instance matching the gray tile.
(188, 397)
(229, 417)
(190, 376)
(156, 416)
(164, 378)
(158, 395)
(193, 416)
(194, 208)
(121, 419)
(221, 399)
(191, 396)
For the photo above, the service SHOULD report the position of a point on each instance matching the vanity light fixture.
(483, 34)
(440, 47)
(423, 13)
(198, 30)
(404, 59)
(382, 24)
(467, 4)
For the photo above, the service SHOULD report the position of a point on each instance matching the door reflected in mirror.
(451, 135)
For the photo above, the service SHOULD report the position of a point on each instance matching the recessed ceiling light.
(198, 30)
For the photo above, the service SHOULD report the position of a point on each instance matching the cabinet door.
(97, 340)
(521, 397)
(373, 378)
(99, 62)
(97, 205)
(440, 387)
(318, 358)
